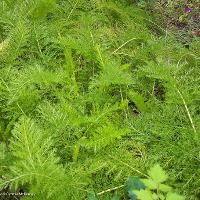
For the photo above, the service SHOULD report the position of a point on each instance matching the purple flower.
(187, 9)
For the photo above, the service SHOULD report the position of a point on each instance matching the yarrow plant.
(91, 92)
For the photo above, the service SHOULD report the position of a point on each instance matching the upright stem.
(188, 112)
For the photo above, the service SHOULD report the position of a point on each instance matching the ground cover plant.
(150, 188)
(91, 93)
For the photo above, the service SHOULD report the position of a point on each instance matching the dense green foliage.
(92, 91)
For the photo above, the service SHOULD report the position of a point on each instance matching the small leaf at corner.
(174, 196)
(157, 174)
(92, 196)
(144, 194)
(133, 184)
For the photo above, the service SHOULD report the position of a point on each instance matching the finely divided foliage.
(92, 92)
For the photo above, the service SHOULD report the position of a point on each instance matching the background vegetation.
(92, 92)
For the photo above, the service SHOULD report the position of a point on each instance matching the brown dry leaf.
(196, 33)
